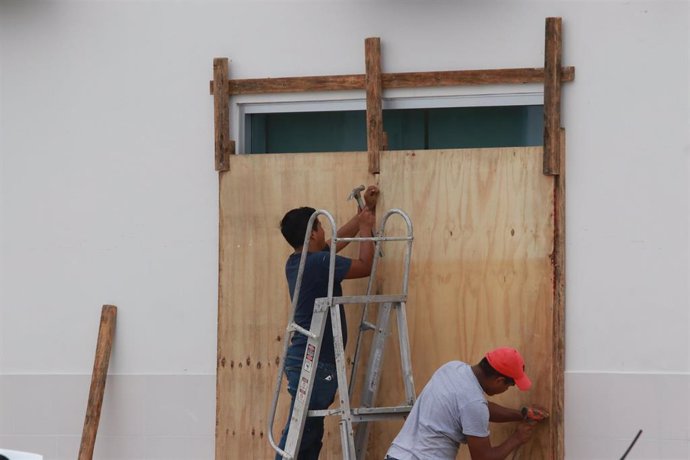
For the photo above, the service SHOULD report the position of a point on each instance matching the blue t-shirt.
(315, 285)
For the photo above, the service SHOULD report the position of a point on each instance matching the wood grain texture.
(392, 80)
(552, 96)
(224, 146)
(254, 301)
(469, 77)
(106, 333)
(372, 55)
(482, 276)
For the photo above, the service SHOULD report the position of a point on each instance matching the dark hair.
(490, 372)
(294, 225)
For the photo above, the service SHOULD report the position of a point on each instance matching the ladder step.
(392, 411)
(369, 299)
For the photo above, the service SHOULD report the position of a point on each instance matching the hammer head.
(356, 194)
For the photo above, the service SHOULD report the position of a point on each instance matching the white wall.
(108, 195)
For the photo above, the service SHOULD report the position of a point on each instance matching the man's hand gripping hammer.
(356, 193)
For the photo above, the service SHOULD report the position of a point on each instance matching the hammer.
(356, 194)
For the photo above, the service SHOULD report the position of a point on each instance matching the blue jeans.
(322, 396)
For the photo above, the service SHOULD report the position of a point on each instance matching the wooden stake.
(558, 395)
(106, 332)
(221, 114)
(552, 96)
(372, 53)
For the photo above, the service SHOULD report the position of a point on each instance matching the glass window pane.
(407, 129)
(475, 127)
(308, 132)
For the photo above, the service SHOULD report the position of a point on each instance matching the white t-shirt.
(451, 407)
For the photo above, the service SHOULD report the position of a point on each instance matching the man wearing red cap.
(452, 410)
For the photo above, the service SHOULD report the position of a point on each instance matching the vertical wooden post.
(221, 114)
(552, 96)
(558, 390)
(372, 55)
(106, 332)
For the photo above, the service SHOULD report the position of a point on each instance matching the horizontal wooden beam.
(393, 80)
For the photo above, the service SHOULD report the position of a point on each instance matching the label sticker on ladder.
(302, 390)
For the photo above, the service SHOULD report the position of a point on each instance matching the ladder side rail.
(289, 332)
(346, 432)
(305, 385)
(405, 360)
(409, 239)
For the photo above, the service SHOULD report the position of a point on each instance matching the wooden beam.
(106, 332)
(372, 56)
(469, 77)
(552, 96)
(393, 80)
(557, 403)
(224, 146)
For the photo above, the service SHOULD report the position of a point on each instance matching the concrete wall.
(108, 195)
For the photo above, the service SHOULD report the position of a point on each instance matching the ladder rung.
(367, 326)
(369, 299)
(375, 238)
(391, 411)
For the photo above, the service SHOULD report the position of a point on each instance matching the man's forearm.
(500, 414)
(348, 230)
(504, 449)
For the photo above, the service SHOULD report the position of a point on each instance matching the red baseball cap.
(508, 362)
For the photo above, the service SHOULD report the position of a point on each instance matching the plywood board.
(254, 301)
(481, 275)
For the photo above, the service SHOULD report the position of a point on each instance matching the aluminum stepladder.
(353, 448)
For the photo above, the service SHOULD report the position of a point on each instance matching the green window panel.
(407, 129)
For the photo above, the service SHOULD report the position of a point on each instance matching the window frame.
(388, 103)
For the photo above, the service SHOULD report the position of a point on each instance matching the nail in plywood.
(106, 331)
(552, 96)
(372, 54)
(224, 146)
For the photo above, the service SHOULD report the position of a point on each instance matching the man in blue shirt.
(314, 285)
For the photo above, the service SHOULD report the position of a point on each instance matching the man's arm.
(351, 227)
(481, 449)
(361, 267)
(500, 414)
(348, 230)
